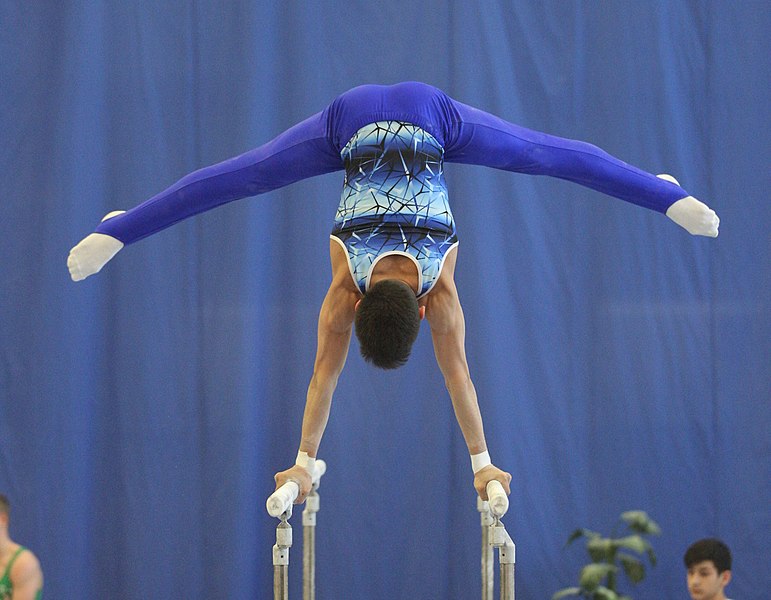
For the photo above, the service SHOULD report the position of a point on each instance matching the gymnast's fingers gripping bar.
(280, 500)
(497, 498)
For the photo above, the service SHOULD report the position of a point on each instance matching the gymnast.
(393, 245)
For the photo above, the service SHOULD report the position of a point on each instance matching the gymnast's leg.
(300, 152)
(484, 139)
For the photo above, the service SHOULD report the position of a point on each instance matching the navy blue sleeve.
(480, 138)
(300, 152)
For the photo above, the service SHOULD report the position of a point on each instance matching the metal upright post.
(488, 579)
(281, 557)
(506, 559)
(279, 504)
(496, 536)
(309, 544)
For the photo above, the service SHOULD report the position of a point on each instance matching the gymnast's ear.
(356, 306)
(422, 312)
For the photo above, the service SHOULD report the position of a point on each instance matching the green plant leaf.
(640, 522)
(633, 568)
(573, 591)
(603, 593)
(635, 543)
(581, 533)
(601, 549)
(598, 579)
(593, 574)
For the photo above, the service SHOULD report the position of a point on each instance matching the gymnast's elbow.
(324, 381)
(458, 381)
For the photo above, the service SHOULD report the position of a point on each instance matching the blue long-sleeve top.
(467, 135)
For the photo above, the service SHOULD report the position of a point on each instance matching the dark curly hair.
(387, 323)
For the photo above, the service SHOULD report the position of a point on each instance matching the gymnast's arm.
(300, 152)
(334, 337)
(484, 139)
(448, 332)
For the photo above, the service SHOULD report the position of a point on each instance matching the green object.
(598, 580)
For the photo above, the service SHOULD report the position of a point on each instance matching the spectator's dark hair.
(5, 506)
(708, 549)
(387, 323)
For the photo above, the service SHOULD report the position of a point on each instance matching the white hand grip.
(282, 499)
(497, 498)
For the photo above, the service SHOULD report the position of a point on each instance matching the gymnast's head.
(387, 323)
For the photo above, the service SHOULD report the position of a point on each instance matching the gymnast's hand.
(93, 252)
(300, 476)
(694, 216)
(486, 475)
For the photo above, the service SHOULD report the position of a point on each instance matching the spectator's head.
(708, 564)
(5, 512)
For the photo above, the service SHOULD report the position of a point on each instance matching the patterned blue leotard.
(394, 202)
(340, 137)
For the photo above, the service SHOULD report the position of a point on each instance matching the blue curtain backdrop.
(620, 362)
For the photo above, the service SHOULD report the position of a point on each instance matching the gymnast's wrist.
(306, 462)
(480, 461)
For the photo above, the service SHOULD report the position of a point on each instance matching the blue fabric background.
(620, 362)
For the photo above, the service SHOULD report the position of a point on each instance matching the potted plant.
(610, 555)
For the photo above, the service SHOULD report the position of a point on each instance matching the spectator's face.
(705, 583)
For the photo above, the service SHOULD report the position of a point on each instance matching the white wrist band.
(480, 461)
(305, 461)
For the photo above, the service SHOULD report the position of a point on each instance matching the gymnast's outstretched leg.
(485, 139)
(300, 152)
